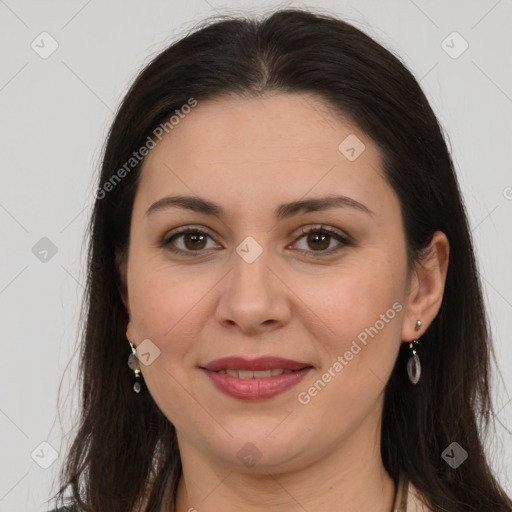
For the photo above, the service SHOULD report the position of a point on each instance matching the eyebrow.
(201, 205)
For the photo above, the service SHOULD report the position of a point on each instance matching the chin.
(255, 451)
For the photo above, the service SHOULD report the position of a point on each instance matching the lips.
(255, 365)
(255, 379)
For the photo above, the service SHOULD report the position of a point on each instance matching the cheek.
(353, 298)
(162, 298)
(362, 312)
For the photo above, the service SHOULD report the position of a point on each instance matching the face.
(249, 280)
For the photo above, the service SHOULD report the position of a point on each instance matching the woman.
(280, 250)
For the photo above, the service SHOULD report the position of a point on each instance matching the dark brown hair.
(125, 450)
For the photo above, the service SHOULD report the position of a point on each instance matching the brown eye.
(194, 240)
(187, 241)
(319, 240)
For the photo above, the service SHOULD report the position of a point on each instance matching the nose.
(253, 296)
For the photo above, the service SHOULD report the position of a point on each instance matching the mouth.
(255, 379)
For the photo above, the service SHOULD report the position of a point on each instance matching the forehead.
(276, 122)
(255, 148)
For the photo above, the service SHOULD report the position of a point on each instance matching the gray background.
(55, 113)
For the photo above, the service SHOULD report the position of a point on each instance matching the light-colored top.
(400, 504)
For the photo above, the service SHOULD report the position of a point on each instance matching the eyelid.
(323, 227)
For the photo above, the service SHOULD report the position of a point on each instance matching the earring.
(133, 364)
(414, 365)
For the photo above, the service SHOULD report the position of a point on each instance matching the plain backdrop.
(55, 110)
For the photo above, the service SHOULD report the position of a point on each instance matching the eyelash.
(166, 242)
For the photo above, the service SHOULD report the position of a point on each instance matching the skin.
(250, 155)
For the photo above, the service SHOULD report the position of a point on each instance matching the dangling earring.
(133, 364)
(414, 365)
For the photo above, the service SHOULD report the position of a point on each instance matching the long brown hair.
(125, 451)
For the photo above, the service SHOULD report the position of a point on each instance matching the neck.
(347, 478)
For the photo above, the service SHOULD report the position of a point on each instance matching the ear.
(131, 335)
(426, 287)
(121, 264)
